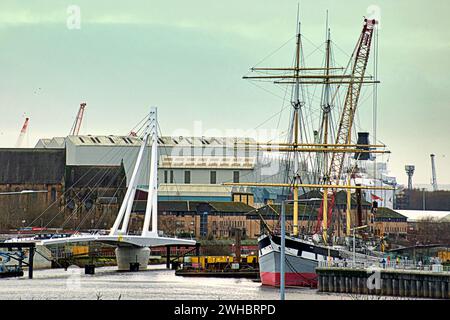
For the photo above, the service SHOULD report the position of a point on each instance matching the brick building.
(388, 222)
(199, 219)
(38, 189)
(30, 170)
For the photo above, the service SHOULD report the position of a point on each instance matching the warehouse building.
(189, 168)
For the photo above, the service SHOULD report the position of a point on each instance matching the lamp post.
(354, 241)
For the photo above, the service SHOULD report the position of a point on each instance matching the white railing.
(391, 265)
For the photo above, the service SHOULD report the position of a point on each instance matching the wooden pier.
(385, 282)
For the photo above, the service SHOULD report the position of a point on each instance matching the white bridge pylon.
(119, 232)
(151, 211)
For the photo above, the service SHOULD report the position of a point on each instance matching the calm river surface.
(155, 283)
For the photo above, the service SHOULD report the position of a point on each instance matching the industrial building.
(189, 168)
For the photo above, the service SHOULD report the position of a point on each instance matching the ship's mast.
(296, 104)
(294, 76)
(326, 108)
(324, 130)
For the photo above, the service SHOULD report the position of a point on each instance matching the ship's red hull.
(293, 279)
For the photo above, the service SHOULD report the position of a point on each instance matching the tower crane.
(23, 131)
(77, 124)
(343, 134)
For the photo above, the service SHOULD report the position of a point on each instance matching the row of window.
(97, 140)
(232, 223)
(168, 177)
(396, 229)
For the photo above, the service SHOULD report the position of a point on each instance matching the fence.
(391, 265)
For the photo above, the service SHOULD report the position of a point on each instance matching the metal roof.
(179, 141)
(195, 206)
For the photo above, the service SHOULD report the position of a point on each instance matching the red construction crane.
(343, 135)
(77, 124)
(23, 131)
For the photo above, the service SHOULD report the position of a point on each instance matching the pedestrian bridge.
(133, 249)
(121, 240)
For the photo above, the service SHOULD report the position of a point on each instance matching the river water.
(157, 283)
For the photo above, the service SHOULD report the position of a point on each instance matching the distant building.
(40, 173)
(382, 221)
(189, 168)
(388, 222)
(421, 199)
(37, 188)
(198, 219)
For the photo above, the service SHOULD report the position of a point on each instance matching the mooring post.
(30, 263)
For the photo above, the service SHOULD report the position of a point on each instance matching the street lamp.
(354, 241)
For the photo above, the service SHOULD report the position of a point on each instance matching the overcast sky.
(188, 58)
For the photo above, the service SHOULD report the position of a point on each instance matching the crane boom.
(343, 135)
(23, 131)
(77, 124)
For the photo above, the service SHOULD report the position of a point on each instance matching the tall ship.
(325, 164)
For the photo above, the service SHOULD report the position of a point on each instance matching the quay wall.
(400, 283)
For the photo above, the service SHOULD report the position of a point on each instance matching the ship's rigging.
(319, 162)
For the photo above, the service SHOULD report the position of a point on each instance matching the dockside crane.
(77, 123)
(22, 133)
(343, 134)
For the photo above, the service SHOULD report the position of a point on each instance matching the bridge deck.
(122, 240)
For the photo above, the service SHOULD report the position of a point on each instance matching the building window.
(165, 176)
(204, 224)
(235, 176)
(212, 177)
(187, 177)
(171, 176)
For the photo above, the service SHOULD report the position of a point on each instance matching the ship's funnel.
(363, 139)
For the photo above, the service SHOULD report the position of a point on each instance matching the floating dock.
(249, 274)
(219, 266)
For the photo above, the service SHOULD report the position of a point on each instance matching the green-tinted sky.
(188, 57)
